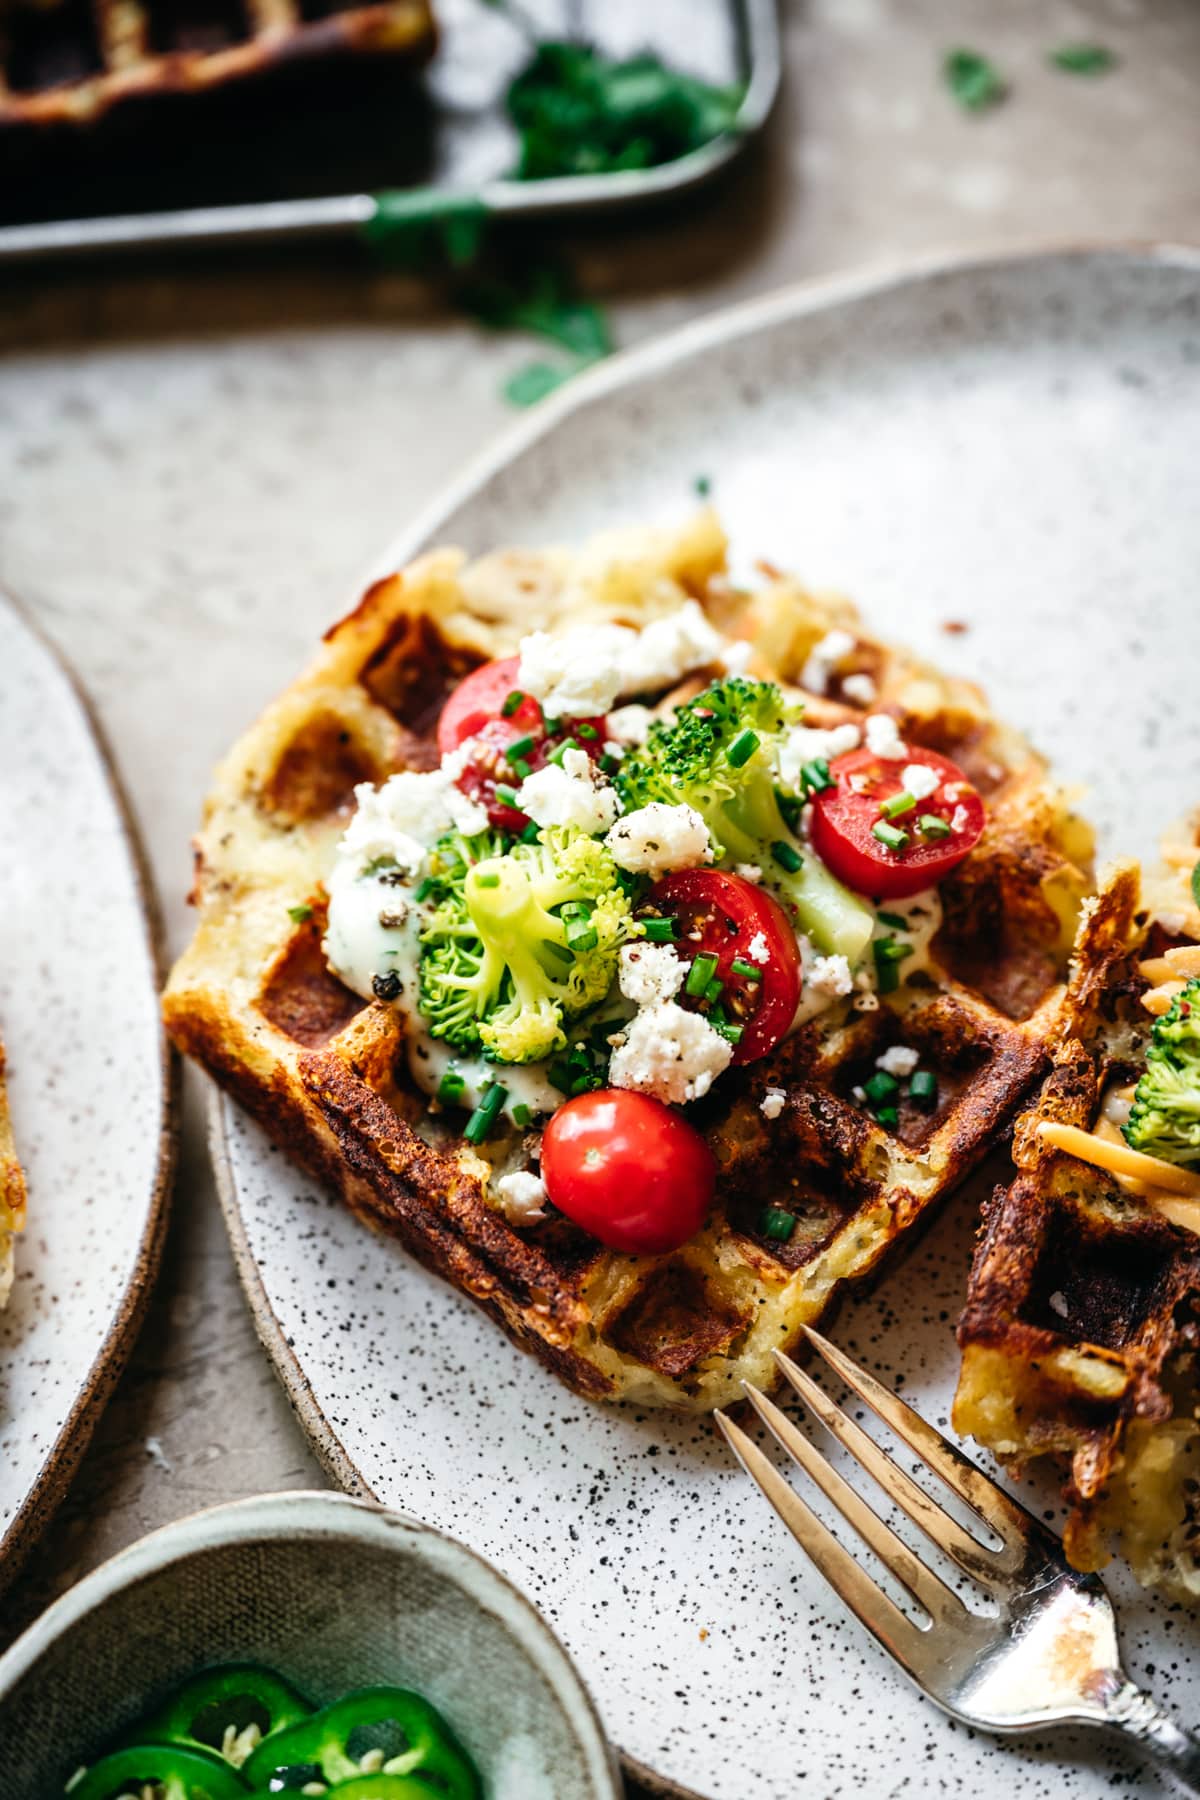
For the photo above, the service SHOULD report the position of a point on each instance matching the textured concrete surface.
(196, 463)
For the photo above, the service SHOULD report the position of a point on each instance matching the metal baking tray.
(373, 149)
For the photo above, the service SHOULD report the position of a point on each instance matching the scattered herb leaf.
(299, 914)
(1082, 59)
(703, 486)
(974, 82)
(534, 382)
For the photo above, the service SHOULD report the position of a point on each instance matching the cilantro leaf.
(974, 81)
(546, 306)
(1082, 59)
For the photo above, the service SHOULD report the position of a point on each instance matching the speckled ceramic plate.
(1012, 447)
(89, 1080)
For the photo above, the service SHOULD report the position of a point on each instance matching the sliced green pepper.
(182, 1775)
(413, 1735)
(373, 1787)
(237, 1695)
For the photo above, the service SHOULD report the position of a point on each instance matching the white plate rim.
(62, 1459)
(792, 301)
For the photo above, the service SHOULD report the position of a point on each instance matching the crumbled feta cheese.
(1058, 1300)
(650, 972)
(405, 816)
(736, 656)
(883, 737)
(859, 1094)
(757, 949)
(919, 780)
(748, 871)
(522, 1197)
(898, 1060)
(670, 1053)
(630, 724)
(830, 975)
(823, 660)
(658, 837)
(569, 795)
(805, 744)
(859, 688)
(772, 1103)
(960, 818)
(575, 673)
(668, 648)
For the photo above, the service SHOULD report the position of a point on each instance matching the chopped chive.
(899, 803)
(426, 888)
(777, 1223)
(659, 931)
(815, 776)
(581, 1084)
(889, 835)
(490, 880)
(520, 747)
(714, 990)
(451, 1087)
(930, 826)
(515, 699)
(787, 857)
(729, 1030)
(530, 833)
(552, 726)
(561, 951)
(1082, 59)
(888, 1115)
(576, 909)
(507, 796)
(480, 1123)
(922, 1089)
(699, 976)
(747, 970)
(896, 920)
(298, 914)
(790, 807)
(556, 756)
(888, 950)
(523, 769)
(1196, 884)
(587, 732)
(610, 764)
(562, 1076)
(880, 1088)
(521, 1114)
(582, 936)
(742, 748)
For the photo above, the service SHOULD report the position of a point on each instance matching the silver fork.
(1048, 1656)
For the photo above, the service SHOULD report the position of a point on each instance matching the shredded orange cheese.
(1120, 1159)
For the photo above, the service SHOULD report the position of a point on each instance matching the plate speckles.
(91, 1087)
(1007, 445)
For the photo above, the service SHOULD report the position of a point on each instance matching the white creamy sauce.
(922, 915)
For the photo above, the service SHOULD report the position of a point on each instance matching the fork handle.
(1159, 1739)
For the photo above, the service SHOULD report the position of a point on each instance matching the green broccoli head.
(720, 755)
(1165, 1118)
(520, 942)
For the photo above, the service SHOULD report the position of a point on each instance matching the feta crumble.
(406, 814)
(670, 1053)
(736, 656)
(670, 647)
(630, 724)
(859, 688)
(883, 737)
(658, 837)
(576, 673)
(830, 975)
(757, 949)
(569, 795)
(960, 819)
(805, 743)
(898, 1060)
(822, 660)
(650, 973)
(522, 1197)
(919, 780)
(772, 1103)
(1058, 1301)
(748, 871)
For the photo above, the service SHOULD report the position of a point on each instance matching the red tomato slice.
(628, 1169)
(481, 697)
(476, 710)
(721, 915)
(844, 818)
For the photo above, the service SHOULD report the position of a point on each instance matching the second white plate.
(1008, 446)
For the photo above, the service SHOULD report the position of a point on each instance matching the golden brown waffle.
(1081, 1321)
(12, 1190)
(64, 62)
(253, 1000)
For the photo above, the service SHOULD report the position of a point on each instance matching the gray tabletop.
(196, 465)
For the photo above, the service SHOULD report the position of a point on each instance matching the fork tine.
(882, 1618)
(939, 1601)
(996, 1508)
(974, 1558)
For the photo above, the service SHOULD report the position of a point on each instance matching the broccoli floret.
(1165, 1117)
(520, 942)
(720, 755)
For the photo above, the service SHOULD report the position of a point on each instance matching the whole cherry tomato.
(629, 1170)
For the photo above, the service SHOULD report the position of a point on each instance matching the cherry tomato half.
(628, 1169)
(744, 928)
(481, 697)
(844, 818)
